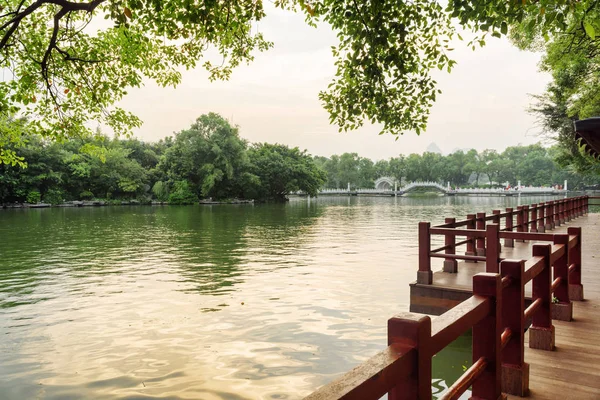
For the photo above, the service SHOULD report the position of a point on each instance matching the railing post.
(480, 242)
(515, 371)
(563, 310)
(587, 204)
(413, 330)
(520, 220)
(496, 220)
(541, 332)
(560, 211)
(509, 227)
(568, 204)
(486, 339)
(492, 250)
(534, 215)
(541, 225)
(471, 224)
(550, 215)
(526, 218)
(450, 265)
(424, 275)
(575, 286)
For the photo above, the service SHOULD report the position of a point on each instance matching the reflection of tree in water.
(209, 245)
(215, 246)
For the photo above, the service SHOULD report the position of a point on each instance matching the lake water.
(209, 302)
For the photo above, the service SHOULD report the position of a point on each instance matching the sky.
(483, 104)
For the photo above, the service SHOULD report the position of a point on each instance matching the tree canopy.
(572, 57)
(68, 63)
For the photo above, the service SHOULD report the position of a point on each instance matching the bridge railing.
(497, 315)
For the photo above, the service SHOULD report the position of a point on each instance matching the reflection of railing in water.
(496, 311)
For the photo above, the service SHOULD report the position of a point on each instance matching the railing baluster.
(515, 371)
(450, 265)
(492, 255)
(542, 211)
(471, 224)
(541, 332)
(534, 215)
(563, 310)
(480, 242)
(509, 227)
(424, 275)
(487, 339)
(575, 286)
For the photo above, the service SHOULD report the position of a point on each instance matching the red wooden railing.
(495, 312)
(534, 218)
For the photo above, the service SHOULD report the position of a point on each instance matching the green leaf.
(504, 28)
(589, 30)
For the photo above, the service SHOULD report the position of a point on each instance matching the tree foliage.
(571, 55)
(281, 170)
(207, 160)
(532, 165)
(65, 72)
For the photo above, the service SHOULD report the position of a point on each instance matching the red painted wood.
(550, 214)
(541, 288)
(449, 326)
(533, 307)
(487, 339)
(450, 265)
(575, 257)
(533, 267)
(463, 383)
(542, 217)
(471, 225)
(534, 218)
(373, 378)
(492, 251)
(480, 242)
(520, 219)
(509, 227)
(505, 337)
(561, 270)
(425, 275)
(413, 330)
(513, 308)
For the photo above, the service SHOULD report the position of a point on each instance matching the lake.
(209, 302)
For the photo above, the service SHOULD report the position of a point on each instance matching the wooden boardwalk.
(572, 370)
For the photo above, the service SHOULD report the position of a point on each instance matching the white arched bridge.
(387, 186)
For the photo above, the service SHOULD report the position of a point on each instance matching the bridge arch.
(385, 183)
(429, 185)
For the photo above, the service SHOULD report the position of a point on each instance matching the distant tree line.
(532, 165)
(208, 160)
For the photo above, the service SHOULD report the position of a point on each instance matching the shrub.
(86, 195)
(160, 191)
(34, 197)
(54, 196)
(182, 194)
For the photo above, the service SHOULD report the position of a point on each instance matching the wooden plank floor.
(572, 371)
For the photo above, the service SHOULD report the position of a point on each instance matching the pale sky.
(275, 98)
